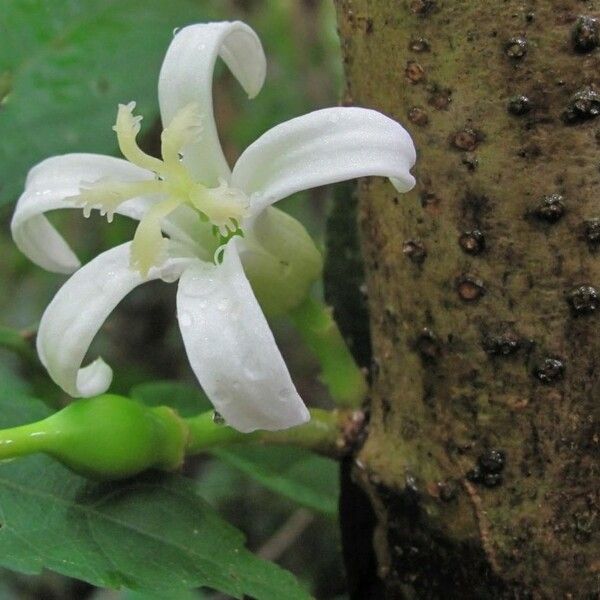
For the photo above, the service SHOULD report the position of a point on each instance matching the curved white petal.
(232, 350)
(186, 77)
(47, 186)
(325, 146)
(79, 309)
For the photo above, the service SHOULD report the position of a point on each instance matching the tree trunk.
(482, 458)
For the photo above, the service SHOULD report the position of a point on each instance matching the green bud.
(281, 261)
(107, 437)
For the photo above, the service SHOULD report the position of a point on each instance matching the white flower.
(192, 196)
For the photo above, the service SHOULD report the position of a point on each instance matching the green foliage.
(64, 67)
(13, 340)
(153, 533)
(130, 595)
(307, 479)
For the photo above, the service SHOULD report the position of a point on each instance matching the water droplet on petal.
(250, 374)
(200, 285)
(283, 395)
(185, 319)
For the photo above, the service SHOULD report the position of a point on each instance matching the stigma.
(172, 186)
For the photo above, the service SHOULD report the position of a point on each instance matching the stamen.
(107, 195)
(148, 248)
(224, 206)
(127, 127)
(186, 127)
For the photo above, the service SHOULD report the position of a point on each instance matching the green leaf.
(66, 64)
(187, 595)
(187, 400)
(151, 534)
(130, 595)
(306, 478)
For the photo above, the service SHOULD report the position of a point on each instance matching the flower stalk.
(17, 342)
(326, 433)
(339, 372)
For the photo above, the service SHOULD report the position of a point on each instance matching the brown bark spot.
(551, 370)
(519, 105)
(470, 288)
(422, 7)
(415, 250)
(414, 71)
(419, 45)
(516, 47)
(418, 116)
(440, 98)
(465, 140)
(583, 300)
(585, 35)
(550, 209)
(472, 242)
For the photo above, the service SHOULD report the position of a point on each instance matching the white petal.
(322, 147)
(47, 186)
(79, 309)
(186, 77)
(232, 350)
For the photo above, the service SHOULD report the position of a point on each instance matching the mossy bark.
(482, 454)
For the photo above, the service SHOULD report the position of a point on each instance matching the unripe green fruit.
(107, 437)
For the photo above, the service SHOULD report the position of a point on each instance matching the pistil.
(223, 206)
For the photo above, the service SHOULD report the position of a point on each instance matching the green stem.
(339, 372)
(24, 440)
(325, 433)
(17, 342)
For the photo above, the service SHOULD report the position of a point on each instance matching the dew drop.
(185, 319)
(283, 395)
(250, 374)
(200, 285)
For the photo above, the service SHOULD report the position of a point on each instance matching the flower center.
(225, 207)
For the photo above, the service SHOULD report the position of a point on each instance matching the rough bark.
(482, 456)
